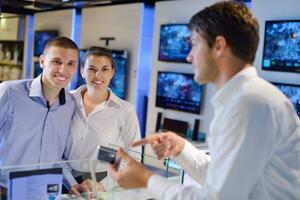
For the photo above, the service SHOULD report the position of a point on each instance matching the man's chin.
(60, 85)
(200, 80)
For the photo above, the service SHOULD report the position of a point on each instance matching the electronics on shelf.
(292, 92)
(41, 38)
(178, 91)
(281, 50)
(174, 45)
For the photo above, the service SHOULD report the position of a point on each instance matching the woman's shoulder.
(121, 102)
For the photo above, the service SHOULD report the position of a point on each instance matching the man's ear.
(220, 45)
(42, 61)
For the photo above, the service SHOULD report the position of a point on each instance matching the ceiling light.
(100, 2)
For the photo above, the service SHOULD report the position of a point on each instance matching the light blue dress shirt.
(31, 131)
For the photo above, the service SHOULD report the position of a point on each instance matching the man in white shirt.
(254, 138)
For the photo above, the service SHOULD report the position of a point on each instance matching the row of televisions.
(281, 51)
(179, 91)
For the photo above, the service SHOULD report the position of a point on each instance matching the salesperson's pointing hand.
(164, 144)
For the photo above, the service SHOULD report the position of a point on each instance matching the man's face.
(59, 64)
(201, 56)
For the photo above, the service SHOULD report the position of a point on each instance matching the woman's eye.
(92, 70)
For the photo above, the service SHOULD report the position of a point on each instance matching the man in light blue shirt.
(35, 114)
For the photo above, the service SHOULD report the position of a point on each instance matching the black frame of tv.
(287, 84)
(163, 105)
(278, 68)
(160, 58)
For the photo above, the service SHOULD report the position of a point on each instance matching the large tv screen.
(118, 82)
(174, 42)
(292, 92)
(178, 91)
(40, 40)
(281, 50)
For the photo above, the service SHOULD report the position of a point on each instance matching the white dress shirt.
(111, 122)
(254, 144)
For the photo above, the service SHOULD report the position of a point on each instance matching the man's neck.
(50, 93)
(229, 70)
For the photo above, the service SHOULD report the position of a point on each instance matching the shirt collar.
(112, 99)
(225, 93)
(36, 90)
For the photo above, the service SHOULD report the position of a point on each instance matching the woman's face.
(98, 72)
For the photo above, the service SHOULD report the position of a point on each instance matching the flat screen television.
(292, 92)
(35, 184)
(40, 40)
(37, 70)
(118, 82)
(281, 50)
(174, 43)
(80, 80)
(178, 91)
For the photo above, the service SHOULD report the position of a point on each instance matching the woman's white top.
(113, 122)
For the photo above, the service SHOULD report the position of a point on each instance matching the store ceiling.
(32, 6)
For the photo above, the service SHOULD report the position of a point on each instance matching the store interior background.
(136, 29)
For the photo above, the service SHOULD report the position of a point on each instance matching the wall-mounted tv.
(40, 40)
(174, 43)
(80, 80)
(118, 82)
(37, 70)
(281, 50)
(178, 91)
(292, 92)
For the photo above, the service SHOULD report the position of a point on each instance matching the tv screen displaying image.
(281, 50)
(178, 91)
(118, 82)
(292, 92)
(40, 40)
(174, 42)
(37, 70)
(80, 80)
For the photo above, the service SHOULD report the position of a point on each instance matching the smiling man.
(35, 114)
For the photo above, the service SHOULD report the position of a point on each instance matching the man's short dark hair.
(63, 42)
(234, 22)
(99, 51)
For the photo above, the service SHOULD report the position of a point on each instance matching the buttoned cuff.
(184, 156)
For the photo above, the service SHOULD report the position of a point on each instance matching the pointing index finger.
(147, 140)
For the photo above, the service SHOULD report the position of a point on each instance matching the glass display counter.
(50, 181)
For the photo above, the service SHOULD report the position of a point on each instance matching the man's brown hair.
(234, 22)
(63, 42)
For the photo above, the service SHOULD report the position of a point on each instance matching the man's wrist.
(146, 177)
(181, 145)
